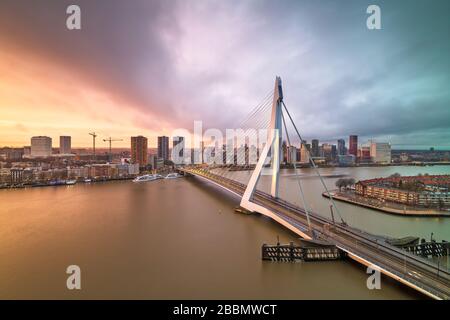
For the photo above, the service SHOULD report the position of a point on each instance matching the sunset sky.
(148, 67)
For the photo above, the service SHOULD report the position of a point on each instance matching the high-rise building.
(380, 152)
(333, 152)
(178, 150)
(163, 147)
(65, 144)
(284, 148)
(304, 153)
(364, 154)
(139, 150)
(329, 151)
(315, 148)
(292, 155)
(341, 147)
(41, 146)
(353, 145)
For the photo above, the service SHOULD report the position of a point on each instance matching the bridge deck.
(398, 264)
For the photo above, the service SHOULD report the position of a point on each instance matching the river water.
(180, 239)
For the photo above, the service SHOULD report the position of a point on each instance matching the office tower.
(65, 144)
(341, 147)
(41, 146)
(380, 152)
(178, 150)
(305, 153)
(333, 152)
(364, 154)
(327, 151)
(314, 148)
(284, 148)
(139, 150)
(163, 148)
(353, 145)
(292, 155)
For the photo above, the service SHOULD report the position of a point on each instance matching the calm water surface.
(177, 239)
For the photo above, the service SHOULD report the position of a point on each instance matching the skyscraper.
(178, 150)
(139, 150)
(65, 144)
(341, 147)
(163, 147)
(41, 146)
(328, 151)
(353, 145)
(314, 148)
(304, 153)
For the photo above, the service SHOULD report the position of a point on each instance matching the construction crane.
(110, 140)
(94, 135)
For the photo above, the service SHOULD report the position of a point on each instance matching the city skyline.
(128, 142)
(166, 75)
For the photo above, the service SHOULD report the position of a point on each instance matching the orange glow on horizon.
(37, 98)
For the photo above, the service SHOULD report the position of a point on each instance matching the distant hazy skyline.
(148, 67)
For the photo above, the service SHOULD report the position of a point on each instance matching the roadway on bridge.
(411, 270)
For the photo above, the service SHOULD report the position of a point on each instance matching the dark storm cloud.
(119, 47)
(215, 60)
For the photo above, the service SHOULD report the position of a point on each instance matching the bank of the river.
(386, 207)
(59, 184)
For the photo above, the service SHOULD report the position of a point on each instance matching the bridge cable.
(253, 121)
(261, 123)
(298, 178)
(252, 117)
(314, 165)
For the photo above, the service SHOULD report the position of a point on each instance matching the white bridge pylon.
(273, 144)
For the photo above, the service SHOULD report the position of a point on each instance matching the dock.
(308, 251)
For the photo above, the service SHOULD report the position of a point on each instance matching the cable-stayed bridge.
(272, 114)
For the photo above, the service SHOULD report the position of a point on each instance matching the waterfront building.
(139, 151)
(353, 145)
(41, 146)
(380, 152)
(284, 148)
(178, 147)
(424, 191)
(315, 148)
(133, 168)
(100, 170)
(77, 172)
(346, 160)
(292, 155)
(364, 154)
(341, 147)
(27, 151)
(333, 152)
(11, 154)
(304, 153)
(16, 176)
(328, 152)
(156, 162)
(65, 144)
(163, 147)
